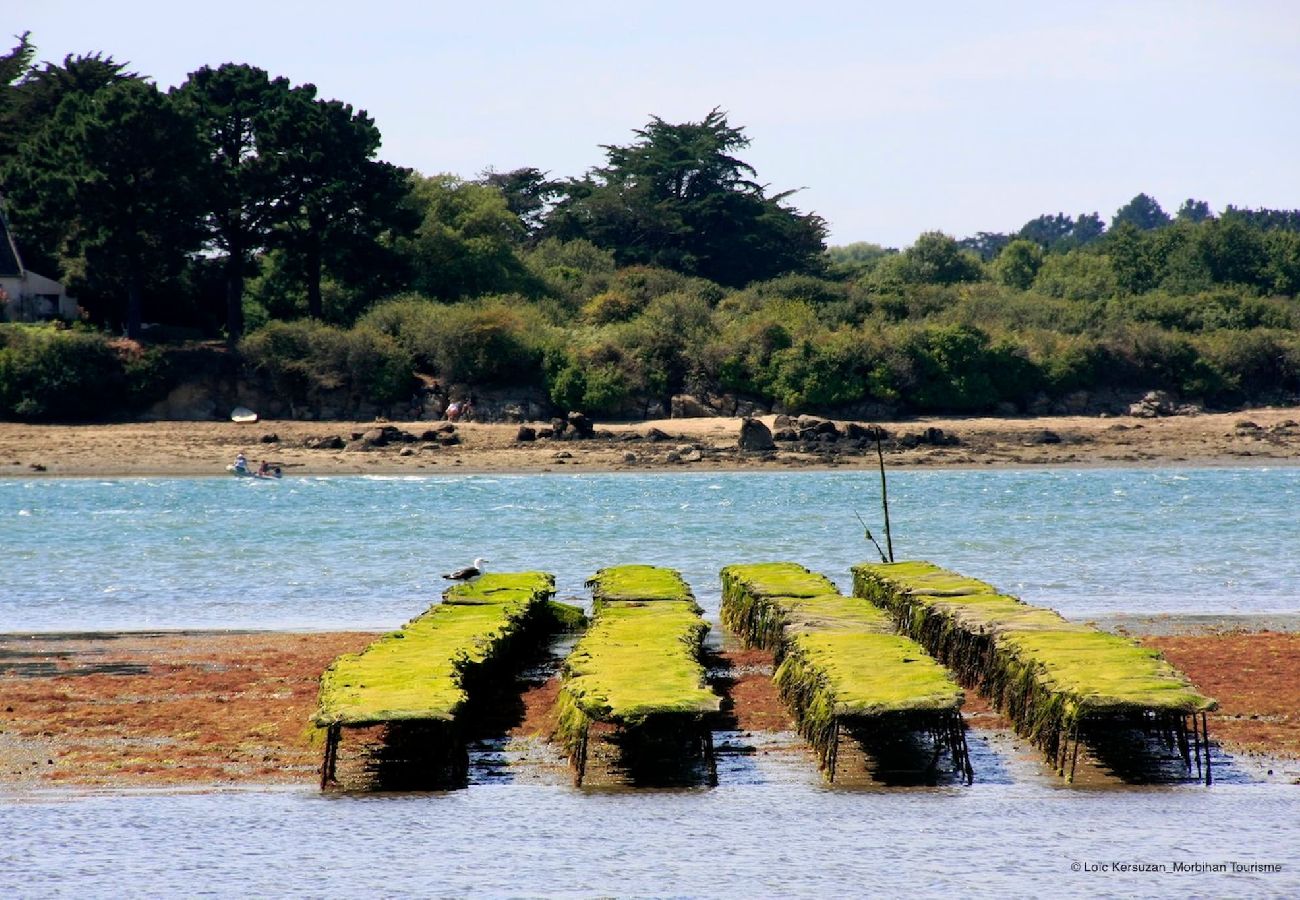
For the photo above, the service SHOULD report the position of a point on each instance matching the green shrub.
(306, 358)
(47, 373)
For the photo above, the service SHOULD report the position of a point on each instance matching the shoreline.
(1249, 438)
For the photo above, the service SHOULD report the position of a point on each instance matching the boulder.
(654, 435)
(525, 434)
(685, 406)
(449, 439)
(692, 456)
(374, 437)
(329, 442)
(270, 438)
(782, 421)
(559, 426)
(581, 425)
(629, 457)
(754, 436)
(785, 434)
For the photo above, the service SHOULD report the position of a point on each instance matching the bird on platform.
(469, 573)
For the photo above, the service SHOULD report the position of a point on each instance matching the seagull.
(469, 573)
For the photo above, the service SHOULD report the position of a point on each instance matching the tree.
(1193, 211)
(236, 107)
(14, 65)
(33, 100)
(1059, 232)
(1142, 212)
(936, 258)
(985, 244)
(117, 168)
(464, 245)
(334, 195)
(528, 194)
(1018, 264)
(678, 198)
(1133, 258)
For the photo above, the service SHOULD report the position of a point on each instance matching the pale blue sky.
(896, 118)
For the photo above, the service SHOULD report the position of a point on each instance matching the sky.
(891, 119)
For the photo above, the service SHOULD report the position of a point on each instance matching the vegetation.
(241, 202)
(638, 666)
(840, 661)
(1052, 678)
(420, 672)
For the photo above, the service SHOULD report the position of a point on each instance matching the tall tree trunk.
(134, 306)
(234, 295)
(315, 308)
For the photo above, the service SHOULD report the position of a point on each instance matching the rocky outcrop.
(754, 436)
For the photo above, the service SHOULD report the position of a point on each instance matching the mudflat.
(1266, 436)
(210, 708)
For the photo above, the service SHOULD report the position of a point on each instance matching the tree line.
(241, 205)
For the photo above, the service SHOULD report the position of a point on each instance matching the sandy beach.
(1253, 437)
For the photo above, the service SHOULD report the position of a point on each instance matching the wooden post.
(1205, 730)
(884, 496)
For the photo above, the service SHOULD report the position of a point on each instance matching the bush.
(305, 359)
(51, 374)
(495, 341)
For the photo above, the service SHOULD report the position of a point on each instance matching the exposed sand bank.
(231, 708)
(1260, 436)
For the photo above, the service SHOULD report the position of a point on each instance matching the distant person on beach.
(454, 410)
(241, 463)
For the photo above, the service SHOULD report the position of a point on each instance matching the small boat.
(249, 473)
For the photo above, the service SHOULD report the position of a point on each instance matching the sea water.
(368, 552)
(88, 554)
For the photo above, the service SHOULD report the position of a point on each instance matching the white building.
(24, 295)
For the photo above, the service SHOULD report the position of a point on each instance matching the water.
(367, 552)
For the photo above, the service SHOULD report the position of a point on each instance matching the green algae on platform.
(639, 661)
(839, 659)
(1046, 673)
(419, 672)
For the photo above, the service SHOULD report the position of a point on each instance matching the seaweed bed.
(841, 662)
(1059, 683)
(638, 670)
(419, 682)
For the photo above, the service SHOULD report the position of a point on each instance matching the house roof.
(11, 264)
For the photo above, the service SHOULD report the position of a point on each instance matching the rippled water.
(367, 552)
(744, 841)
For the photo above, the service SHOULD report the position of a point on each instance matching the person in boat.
(241, 463)
(264, 469)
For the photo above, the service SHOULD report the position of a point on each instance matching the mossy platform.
(1052, 678)
(638, 667)
(424, 674)
(841, 662)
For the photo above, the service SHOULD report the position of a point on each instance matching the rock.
(629, 457)
(684, 406)
(525, 434)
(754, 436)
(858, 432)
(449, 439)
(270, 438)
(808, 422)
(546, 432)
(629, 436)
(654, 435)
(1153, 404)
(581, 425)
(604, 434)
(330, 442)
(785, 434)
(375, 437)
(1245, 425)
(1045, 437)
(722, 404)
(446, 428)
(429, 435)
(936, 438)
(561, 454)
(692, 456)
(782, 421)
(406, 451)
(672, 456)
